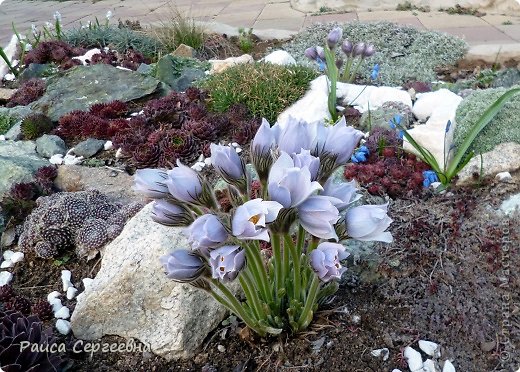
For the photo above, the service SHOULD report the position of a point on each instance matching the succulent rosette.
(295, 205)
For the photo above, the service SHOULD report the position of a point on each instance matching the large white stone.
(219, 65)
(10, 51)
(442, 102)
(131, 296)
(279, 57)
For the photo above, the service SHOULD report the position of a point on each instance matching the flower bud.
(325, 261)
(183, 266)
(321, 53)
(369, 50)
(346, 47)
(151, 183)
(334, 37)
(358, 49)
(311, 53)
(226, 262)
(171, 214)
(185, 185)
(206, 232)
(229, 165)
(339, 63)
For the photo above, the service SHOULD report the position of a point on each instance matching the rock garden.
(174, 199)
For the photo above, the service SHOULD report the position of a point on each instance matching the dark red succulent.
(202, 129)
(146, 156)
(110, 110)
(29, 91)
(23, 191)
(244, 132)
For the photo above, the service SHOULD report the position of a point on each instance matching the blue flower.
(401, 134)
(375, 72)
(360, 155)
(396, 120)
(448, 125)
(429, 178)
(321, 64)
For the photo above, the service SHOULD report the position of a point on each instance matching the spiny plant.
(28, 92)
(35, 125)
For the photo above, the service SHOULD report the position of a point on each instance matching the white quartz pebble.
(52, 296)
(56, 304)
(17, 257)
(8, 254)
(108, 145)
(207, 161)
(71, 292)
(119, 153)
(238, 150)
(5, 277)
(503, 176)
(65, 279)
(430, 348)
(413, 357)
(63, 313)
(383, 353)
(234, 144)
(429, 366)
(56, 159)
(63, 326)
(448, 367)
(6, 264)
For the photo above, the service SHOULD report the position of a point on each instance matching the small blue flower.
(360, 155)
(375, 72)
(396, 120)
(448, 125)
(429, 178)
(321, 64)
(401, 134)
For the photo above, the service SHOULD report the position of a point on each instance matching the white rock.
(381, 353)
(238, 150)
(207, 161)
(396, 370)
(2, 137)
(201, 157)
(52, 296)
(72, 160)
(17, 257)
(56, 159)
(439, 102)
(413, 358)
(6, 264)
(56, 304)
(196, 167)
(234, 144)
(123, 68)
(63, 326)
(108, 145)
(87, 56)
(5, 277)
(429, 366)
(503, 176)
(66, 276)
(365, 98)
(221, 348)
(87, 282)
(119, 153)
(8, 254)
(219, 65)
(448, 367)
(71, 293)
(10, 50)
(173, 318)
(279, 57)
(430, 348)
(9, 77)
(62, 313)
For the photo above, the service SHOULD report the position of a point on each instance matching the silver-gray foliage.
(403, 53)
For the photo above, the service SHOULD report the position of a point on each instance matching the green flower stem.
(251, 294)
(301, 240)
(252, 266)
(346, 71)
(296, 266)
(314, 243)
(286, 258)
(332, 74)
(310, 301)
(257, 257)
(277, 256)
(353, 74)
(235, 306)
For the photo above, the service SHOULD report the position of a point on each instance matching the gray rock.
(144, 69)
(18, 162)
(89, 147)
(49, 145)
(512, 204)
(132, 298)
(84, 86)
(37, 70)
(380, 117)
(506, 78)
(187, 78)
(6, 94)
(15, 132)
(184, 50)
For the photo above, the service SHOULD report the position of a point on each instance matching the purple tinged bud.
(325, 261)
(170, 213)
(347, 47)
(227, 163)
(369, 50)
(227, 262)
(368, 223)
(151, 183)
(334, 37)
(311, 53)
(206, 232)
(305, 159)
(359, 49)
(321, 52)
(265, 138)
(184, 183)
(183, 266)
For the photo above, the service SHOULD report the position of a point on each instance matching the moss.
(503, 128)
(265, 89)
(6, 122)
(403, 53)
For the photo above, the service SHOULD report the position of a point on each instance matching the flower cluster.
(294, 194)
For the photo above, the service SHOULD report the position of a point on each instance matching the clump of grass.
(408, 6)
(245, 39)
(179, 28)
(265, 89)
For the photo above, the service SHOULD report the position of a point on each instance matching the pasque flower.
(183, 266)
(290, 185)
(305, 159)
(170, 213)
(206, 232)
(344, 191)
(228, 164)
(347, 47)
(226, 262)
(359, 49)
(295, 136)
(151, 183)
(368, 223)
(318, 215)
(334, 37)
(311, 53)
(184, 184)
(250, 219)
(264, 141)
(325, 261)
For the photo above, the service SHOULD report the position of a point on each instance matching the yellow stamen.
(254, 219)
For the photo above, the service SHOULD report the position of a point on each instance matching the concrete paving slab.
(280, 10)
(478, 34)
(326, 18)
(436, 20)
(238, 20)
(513, 31)
(384, 15)
(239, 9)
(289, 24)
(497, 20)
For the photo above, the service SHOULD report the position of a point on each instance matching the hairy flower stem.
(314, 243)
(251, 294)
(295, 256)
(301, 240)
(286, 258)
(307, 313)
(346, 72)
(354, 72)
(258, 271)
(277, 255)
(332, 74)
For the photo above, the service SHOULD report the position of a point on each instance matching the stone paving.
(268, 18)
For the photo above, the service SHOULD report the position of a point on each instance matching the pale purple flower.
(338, 141)
(325, 261)
(183, 266)
(318, 215)
(226, 262)
(305, 159)
(369, 50)
(321, 52)
(344, 191)
(250, 219)
(151, 183)
(184, 183)
(265, 138)
(368, 223)
(346, 47)
(206, 232)
(359, 49)
(290, 185)
(170, 214)
(334, 37)
(227, 162)
(295, 136)
(311, 53)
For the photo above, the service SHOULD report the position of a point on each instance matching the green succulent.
(36, 125)
(6, 122)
